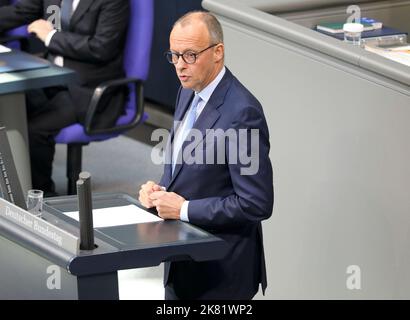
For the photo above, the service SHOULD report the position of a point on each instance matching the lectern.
(44, 263)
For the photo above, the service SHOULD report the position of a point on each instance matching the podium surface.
(37, 269)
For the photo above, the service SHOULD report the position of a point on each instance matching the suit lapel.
(168, 164)
(79, 12)
(180, 110)
(205, 121)
(185, 102)
(208, 117)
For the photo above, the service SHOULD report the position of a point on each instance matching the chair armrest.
(96, 99)
(8, 38)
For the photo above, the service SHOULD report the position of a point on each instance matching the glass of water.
(353, 33)
(35, 202)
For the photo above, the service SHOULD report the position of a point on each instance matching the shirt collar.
(206, 92)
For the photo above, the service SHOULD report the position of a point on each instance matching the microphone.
(86, 211)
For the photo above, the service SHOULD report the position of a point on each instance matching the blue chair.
(136, 65)
(17, 38)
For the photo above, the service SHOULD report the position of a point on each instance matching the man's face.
(194, 37)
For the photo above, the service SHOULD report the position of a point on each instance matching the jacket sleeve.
(24, 12)
(252, 197)
(104, 44)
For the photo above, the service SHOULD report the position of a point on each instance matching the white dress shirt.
(59, 60)
(205, 95)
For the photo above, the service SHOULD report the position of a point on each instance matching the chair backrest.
(137, 50)
(139, 39)
(136, 65)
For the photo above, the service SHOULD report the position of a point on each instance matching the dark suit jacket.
(224, 202)
(2, 4)
(93, 46)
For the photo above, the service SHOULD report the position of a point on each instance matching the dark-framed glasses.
(188, 56)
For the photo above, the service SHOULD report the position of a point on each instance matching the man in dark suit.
(91, 42)
(2, 4)
(224, 195)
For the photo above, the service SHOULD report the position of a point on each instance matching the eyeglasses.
(188, 56)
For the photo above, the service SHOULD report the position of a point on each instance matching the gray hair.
(212, 24)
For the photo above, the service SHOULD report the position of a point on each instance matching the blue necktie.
(66, 11)
(189, 123)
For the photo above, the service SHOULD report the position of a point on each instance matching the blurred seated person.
(2, 4)
(91, 42)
